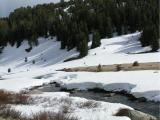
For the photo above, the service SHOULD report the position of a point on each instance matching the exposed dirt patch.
(117, 67)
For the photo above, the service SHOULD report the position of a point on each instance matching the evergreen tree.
(109, 29)
(154, 39)
(83, 44)
(96, 40)
(72, 21)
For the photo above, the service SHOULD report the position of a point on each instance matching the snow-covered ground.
(45, 54)
(49, 58)
(82, 108)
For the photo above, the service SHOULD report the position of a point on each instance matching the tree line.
(72, 22)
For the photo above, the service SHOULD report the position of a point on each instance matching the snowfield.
(49, 58)
(45, 54)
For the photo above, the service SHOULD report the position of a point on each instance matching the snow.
(111, 51)
(56, 101)
(24, 75)
(46, 53)
(138, 83)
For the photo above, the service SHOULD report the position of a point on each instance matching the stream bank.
(149, 107)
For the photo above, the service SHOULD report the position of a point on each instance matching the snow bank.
(139, 83)
(56, 101)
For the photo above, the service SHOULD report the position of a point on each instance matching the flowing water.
(152, 108)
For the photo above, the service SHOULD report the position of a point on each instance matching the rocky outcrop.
(135, 115)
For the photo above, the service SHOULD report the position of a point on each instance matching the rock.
(73, 91)
(35, 92)
(109, 94)
(142, 99)
(57, 85)
(135, 115)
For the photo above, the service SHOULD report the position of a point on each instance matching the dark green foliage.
(96, 40)
(150, 37)
(33, 62)
(135, 63)
(26, 59)
(83, 44)
(9, 70)
(154, 39)
(72, 27)
(99, 68)
(28, 49)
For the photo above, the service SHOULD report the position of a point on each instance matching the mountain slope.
(25, 75)
(46, 53)
(112, 51)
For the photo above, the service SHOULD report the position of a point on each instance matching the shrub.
(11, 113)
(118, 68)
(28, 49)
(26, 59)
(7, 112)
(135, 63)
(9, 70)
(99, 68)
(66, 101)
(53, 116)
(89, 104)
(13, 98)
(33, 62)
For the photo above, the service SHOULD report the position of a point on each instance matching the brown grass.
(89, 104)
(7, 112)
(13, 98)
(53, 116)
(117, 67)
(10, 114)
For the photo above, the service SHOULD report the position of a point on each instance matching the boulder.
(135, 115)
(109, 94)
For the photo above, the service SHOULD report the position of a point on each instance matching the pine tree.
(83, 44)
(145, 37)
(109, 30)
(150, 37)
(96, 40)
(154, 43)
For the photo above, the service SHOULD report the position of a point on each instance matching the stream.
(152, 108)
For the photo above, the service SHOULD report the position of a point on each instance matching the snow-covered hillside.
(48, 53)
(49, 58)
(45, 54)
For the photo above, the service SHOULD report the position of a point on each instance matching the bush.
(13, 98)
(10, 113)
(26, 59)
(118, 68)
(33, 62)
(135, 63)
(89, 104)
(28, 49)
(99, 68)
(9, 70)
(53, 116)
